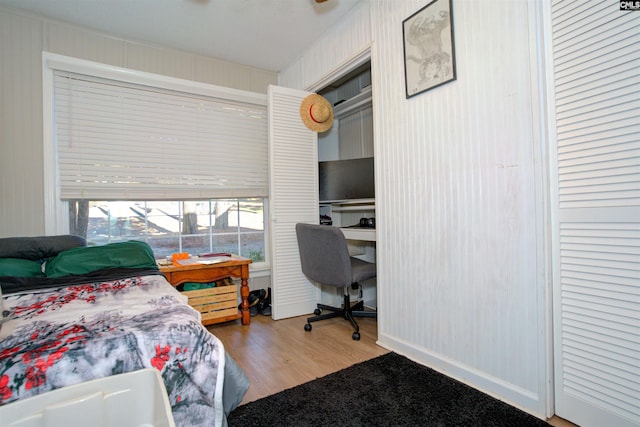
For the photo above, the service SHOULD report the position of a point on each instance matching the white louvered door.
(596, 176)
(293, 169)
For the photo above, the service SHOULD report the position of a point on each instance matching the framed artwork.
(429, 55)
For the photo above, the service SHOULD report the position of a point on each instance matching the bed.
(73, 313)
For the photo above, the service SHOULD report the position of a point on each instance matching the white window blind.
(117, 140)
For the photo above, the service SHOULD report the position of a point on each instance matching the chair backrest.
(324, 255)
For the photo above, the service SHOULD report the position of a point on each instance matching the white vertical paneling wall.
(21, 160)
(455, 196)
(459, 197)
(23, 38)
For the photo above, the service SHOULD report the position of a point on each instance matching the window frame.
(210, 234)
(56, 220)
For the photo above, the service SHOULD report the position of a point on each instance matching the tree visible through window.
(197, 227)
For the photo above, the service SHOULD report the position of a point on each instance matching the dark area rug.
(389, 390)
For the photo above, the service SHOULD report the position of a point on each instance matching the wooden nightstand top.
(233, 260)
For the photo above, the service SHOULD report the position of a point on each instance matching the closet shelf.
(351, 205)
(355, 103)
(354, 208)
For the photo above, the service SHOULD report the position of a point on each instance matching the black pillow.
(37, 248)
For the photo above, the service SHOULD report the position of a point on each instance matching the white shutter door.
(597, 213)
(293, 169)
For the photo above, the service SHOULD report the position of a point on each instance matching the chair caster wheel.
(317, 312)
(355, 336)
(307, 327)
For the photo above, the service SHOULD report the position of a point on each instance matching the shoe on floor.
(266, 311)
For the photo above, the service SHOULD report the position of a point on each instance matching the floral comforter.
(67, 335)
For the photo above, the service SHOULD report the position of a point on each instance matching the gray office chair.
(325, 259)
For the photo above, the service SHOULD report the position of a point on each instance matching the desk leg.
(244, 294)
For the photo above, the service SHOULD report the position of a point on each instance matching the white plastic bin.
(134, 399)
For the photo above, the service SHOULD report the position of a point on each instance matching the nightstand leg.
(244, 294)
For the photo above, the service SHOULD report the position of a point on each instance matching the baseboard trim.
(518, 397)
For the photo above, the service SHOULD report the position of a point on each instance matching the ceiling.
(267, 34)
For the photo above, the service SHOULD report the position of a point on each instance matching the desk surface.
(359, 233)
(232, 261)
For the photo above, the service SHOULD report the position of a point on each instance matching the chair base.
(346, 311)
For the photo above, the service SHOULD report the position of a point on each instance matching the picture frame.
(429, 51)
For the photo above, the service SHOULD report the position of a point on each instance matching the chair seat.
(362, 270)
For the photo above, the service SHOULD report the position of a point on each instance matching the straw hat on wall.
(316, 113)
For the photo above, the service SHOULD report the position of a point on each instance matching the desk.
(203, 273)
(359, 233)
(350, 212)
(362, 244)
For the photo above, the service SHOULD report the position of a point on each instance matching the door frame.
(342, 70)
(351, 64)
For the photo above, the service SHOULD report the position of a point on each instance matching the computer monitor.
(346, 179)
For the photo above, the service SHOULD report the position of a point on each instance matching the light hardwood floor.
(277, 355)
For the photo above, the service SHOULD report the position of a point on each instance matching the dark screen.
(346, 179)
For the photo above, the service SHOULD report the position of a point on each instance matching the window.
(131, 155)
(197, 227)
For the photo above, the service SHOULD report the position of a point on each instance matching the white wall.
(23, 38)
(460, 195)
(458, 171)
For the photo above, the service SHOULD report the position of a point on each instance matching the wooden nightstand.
(220, 303)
